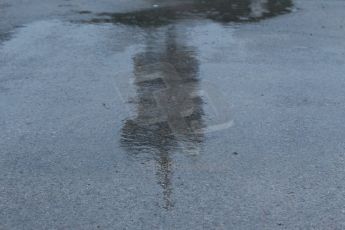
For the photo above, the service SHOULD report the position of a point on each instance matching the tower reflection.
(169, 110)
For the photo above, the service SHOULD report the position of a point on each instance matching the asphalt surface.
(172, 115)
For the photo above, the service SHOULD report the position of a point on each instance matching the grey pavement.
(198, 120)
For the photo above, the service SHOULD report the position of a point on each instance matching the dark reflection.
(169, 110)
(217, 10)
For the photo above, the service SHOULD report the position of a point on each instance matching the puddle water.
(169, 109)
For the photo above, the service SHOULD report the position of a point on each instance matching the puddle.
(217, 10)
(169, 115)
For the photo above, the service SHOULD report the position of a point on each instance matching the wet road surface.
(172, 115)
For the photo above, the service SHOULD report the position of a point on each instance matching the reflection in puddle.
(168, 108)
(217, 10)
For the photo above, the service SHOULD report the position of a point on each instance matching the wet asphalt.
(176, 114)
